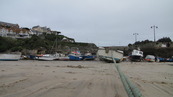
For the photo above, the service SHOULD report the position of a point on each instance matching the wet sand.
(59, 79)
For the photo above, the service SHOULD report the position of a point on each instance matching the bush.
(165, 39)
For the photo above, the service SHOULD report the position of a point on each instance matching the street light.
(154, 27)
(135, 36)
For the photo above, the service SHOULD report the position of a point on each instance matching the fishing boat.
(136, 55)
(108, 55)
(10, 57)
(52, 56)
(48, 57)
(88, 56)
(150, 58)
(62, 57)
(75, 56)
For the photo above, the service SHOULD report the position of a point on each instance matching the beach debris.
(79, 66)
(71, 72)
(47, 66)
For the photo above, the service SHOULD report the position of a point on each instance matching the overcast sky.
(103, 22)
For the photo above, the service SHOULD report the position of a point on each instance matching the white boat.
(108, 55)
(150, 58)
(48, 57)
(10, 57)
(136, 55)
(63, 58)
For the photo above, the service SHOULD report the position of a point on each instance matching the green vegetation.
(165, 39)
(44, 42)
(160, 52)
(155, 48)
(10, 44)
(6, 43)
(35, 42)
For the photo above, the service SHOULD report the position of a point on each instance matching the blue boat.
(75, 56)
(91, 57)
(161, 59)
(169, 60)
(165, 59)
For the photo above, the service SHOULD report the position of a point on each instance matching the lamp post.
(154, 27)
(135, 36)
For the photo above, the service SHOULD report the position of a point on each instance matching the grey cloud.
(104, 22)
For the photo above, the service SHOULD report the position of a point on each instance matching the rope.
(130, 88)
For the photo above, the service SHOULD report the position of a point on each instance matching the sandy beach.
(153, 79)
(27, 78)
(59, 79)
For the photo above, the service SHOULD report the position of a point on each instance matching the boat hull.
(110, 55)
(46, 58)
(109, 59)
(136, 58)
(63, 58)
(89, 57)
(10, 57)
(75, 58)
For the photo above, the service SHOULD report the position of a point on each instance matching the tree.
(164, 39)
(6, 43)
(129, 45)
(142, 42)
(35, 42)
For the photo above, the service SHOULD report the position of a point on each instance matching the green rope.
(130, 88)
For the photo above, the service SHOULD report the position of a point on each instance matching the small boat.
(109, 56)
(136, 55)
(75, 56)
(48, 57)
(169, 60)
(62, 57)
(10, 57)
(52, 56)
(150, 58)
(159, 59)
(88, 56)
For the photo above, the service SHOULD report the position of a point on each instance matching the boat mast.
(56, 43)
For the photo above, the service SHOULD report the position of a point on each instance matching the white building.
(3, 32)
